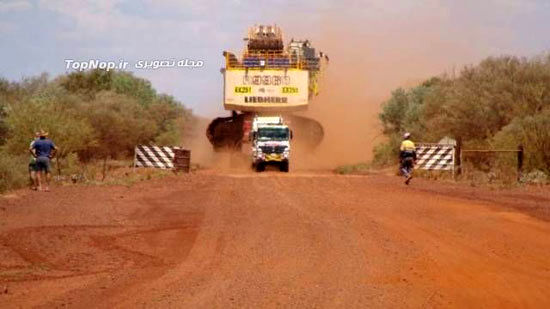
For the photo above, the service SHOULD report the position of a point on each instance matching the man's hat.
(43, 133)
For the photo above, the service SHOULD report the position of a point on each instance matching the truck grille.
(273, 149)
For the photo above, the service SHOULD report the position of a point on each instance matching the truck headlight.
(286, 152)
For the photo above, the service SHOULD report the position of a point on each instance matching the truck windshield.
(277, 134)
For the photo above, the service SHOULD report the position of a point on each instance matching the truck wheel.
(284, 167)
(260, 167)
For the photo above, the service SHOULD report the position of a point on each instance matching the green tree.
(53, 110)
(120, 124)
(533, 132)
(498, 97)
(138, 88)
(94, 114)
(87, 83)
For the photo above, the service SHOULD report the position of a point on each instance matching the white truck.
(270, 138)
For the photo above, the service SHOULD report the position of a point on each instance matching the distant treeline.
(93, 115)
(501, 103)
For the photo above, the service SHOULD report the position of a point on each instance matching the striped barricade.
(154, 156)
(435, 157)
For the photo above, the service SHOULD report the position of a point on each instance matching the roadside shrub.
(433, 174)
(533, 132)
(536, 177)
(499, 176)
(387, 153)
(92, 116)
(500, 103)
(56, 111)
(356, 169)
(13, 171)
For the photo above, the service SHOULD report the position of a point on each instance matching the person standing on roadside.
(43, 150)
(407, 157)
(32, 165)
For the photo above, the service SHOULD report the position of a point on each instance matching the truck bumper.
(274, 157)
(271, 159)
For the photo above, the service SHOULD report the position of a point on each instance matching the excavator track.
(229, 133)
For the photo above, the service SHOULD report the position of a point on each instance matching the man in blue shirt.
(43, 150)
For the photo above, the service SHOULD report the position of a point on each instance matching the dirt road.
(300, 240)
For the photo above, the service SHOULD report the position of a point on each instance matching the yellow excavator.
(269, 79)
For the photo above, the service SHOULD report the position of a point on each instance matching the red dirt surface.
(214, 239)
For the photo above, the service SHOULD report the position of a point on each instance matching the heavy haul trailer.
(268, 79)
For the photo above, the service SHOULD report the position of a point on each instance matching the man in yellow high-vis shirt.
(407, 156)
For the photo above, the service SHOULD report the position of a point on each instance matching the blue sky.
(38, 35)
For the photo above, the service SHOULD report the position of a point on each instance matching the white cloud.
(103, 19)
(516, 5)
(7, 27)
(14, 5)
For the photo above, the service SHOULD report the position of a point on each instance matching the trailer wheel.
(260, 167)
(284, 166)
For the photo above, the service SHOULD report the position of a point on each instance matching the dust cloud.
(367, 61)
(371, 52)
(203, 154)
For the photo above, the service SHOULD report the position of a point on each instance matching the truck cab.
(270, 143)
